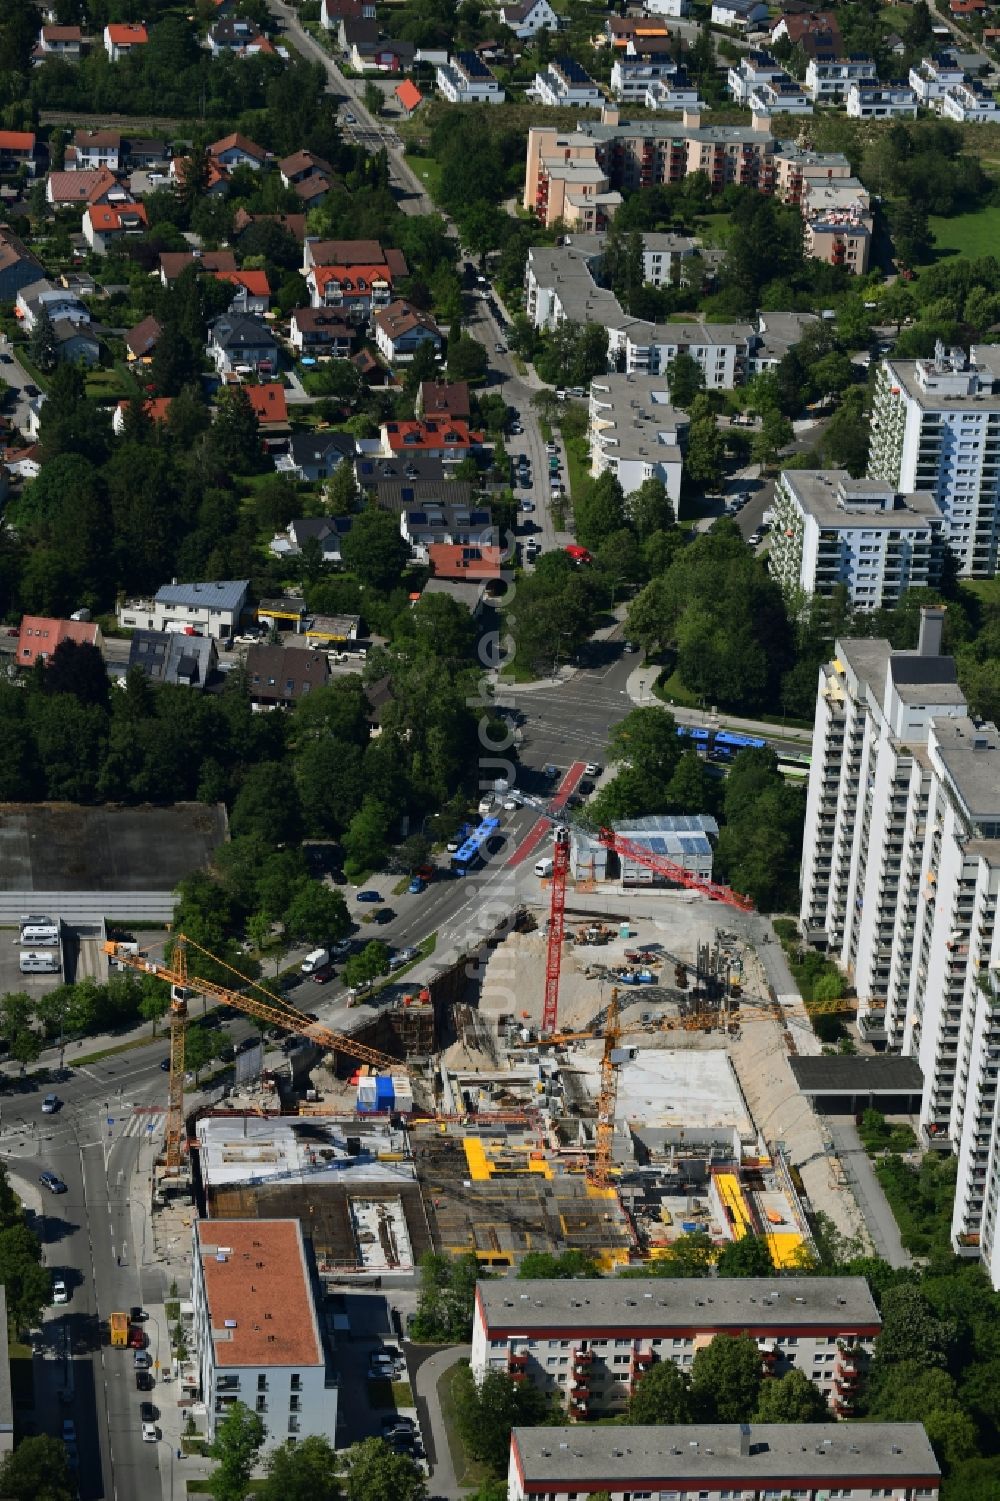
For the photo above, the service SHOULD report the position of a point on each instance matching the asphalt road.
(16, 377)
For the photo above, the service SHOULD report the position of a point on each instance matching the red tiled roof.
(156, 408)
(108, 216)
(125, 34)
(257, 1288)
(235, 141)
(464, 560)
(255, 282)
(17, 140)
(41, 634)
(268, 402)
(411, 437)
(141, 340)
(350, 276)
(408, 94)
(81, 187)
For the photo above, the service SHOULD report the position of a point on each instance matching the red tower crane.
(624, 848)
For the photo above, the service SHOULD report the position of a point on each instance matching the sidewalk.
(640, 690)
(443, 1481)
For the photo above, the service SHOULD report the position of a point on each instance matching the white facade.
(830, 531)
(970, 104)
(826, 81)
(632, 76)
(588, 1341)
(565, 82)
(753, 69)
(466, 80)
(663, 258)
(721, 349)
(256, 1331)
(936, 426)
(635, 433)
(212, 609)
(780, 96)
(932, 77)
(739, 15)
(527, 20)
(901, 875)
(676, 8)
(867, 101)
(674, 94)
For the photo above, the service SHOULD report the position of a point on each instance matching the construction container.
(384, 1092)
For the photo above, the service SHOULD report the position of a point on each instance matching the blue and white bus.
(468, 854)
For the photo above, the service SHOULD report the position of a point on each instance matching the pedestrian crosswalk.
(143, 1121)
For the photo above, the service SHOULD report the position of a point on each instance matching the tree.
(791, 1398)
(748, 1257)
(43, 347)
(367, 835)
(235, 434)
(774, 434)
(911, 1330)
(911, 232)
(703, 459)
(726, 1379)
(174, 365)
(447, 1297)
(28, 1283)
(376, 1473)
(690, 1255)
(371, 964)
(662, 1396)
(374, 550)
(373, 97)
(267, 806)
(542, 1264)
(685, 378)
(600, 511)
(466, 359)
(317, 914)
(342, 491)
(486, 1411)
(650, 509)
(239, 1439)
(305, 1472)
(37, 1470)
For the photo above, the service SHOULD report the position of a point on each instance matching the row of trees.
(307, 1470)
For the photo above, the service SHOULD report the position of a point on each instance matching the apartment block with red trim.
(725, 1462)
(589, 1340)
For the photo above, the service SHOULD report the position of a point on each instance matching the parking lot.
(373, 1369)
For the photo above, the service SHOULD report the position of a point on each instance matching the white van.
(486, 805)
(43, 962)
(38, 931)
(314, 961)
(543, 867)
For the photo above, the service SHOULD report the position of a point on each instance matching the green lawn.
(468, 1472)
(969, 235)
(109, 385)
(428, 169)
(987, 591)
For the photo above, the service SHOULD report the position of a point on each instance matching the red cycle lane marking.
(537, 832)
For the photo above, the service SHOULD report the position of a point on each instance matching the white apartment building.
(829, 80)
(725, 1462)
(674, 94)
(632, 76)
(563, 81)
(210, 609)
(257, 1334)
(936, 426)
(664, 257)
(874, 101)
(830, 531)
(635, 432)
(466, 79)
(753, 69)
(901, 880)
(588, 1341)
(970, 104)
(780, 96)
(721, 349)
(933, 76)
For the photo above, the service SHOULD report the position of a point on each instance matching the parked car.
(147, 1412)
(141, 1360)
(54, 1184)
(137, 1339)
(322, 975)
(60, 1292)
(592, 769)
(383, 915)
(527, 506)
(137, 1315)
(368, 896)
(339, 949)
(51, 1104)
(68, 1431)
(150, 1434)
(417, 885)
(145, 1381)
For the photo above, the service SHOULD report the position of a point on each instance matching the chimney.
(760, 120)
(931, 628)
(609, 114)
(691, 118)
(744, 1440)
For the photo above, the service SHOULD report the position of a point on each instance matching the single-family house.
(55, 300)
(332, 12)
(90, 185)
(235, 36)
(278, 676)
(143, 152)
(156, 409)
(427, 526)
(59, 41)
(269, 407)
(816, 33)
(140, 341)
(356, 291)
(17, 149)
(23, 463)
(464, 560)
(564, 82)
(121, 39)
(325, 531)
(76, 344)
(300, 165)
(217, 178)
(401, 329)
(294, 223)
(251, 292)
(239, 343)
(396, 496)
(739, 15)
(186, 661)
(409, 96)
(41, 634)
(970, 103)
(874, 101)
(317, 330)
(316, 456)
(18, 267)
(173, 263)
(91, 149)
(235, 150)
(214, 608)
(311, 191)
(381, 54)
(450, 439)
(317, 252)
(439, 398)
(528, 18)
(106, 225)
(465, 79)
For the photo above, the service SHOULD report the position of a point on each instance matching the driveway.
(443, 1481)
(868, 1191)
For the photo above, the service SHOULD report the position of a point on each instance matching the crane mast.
(275, 1011)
